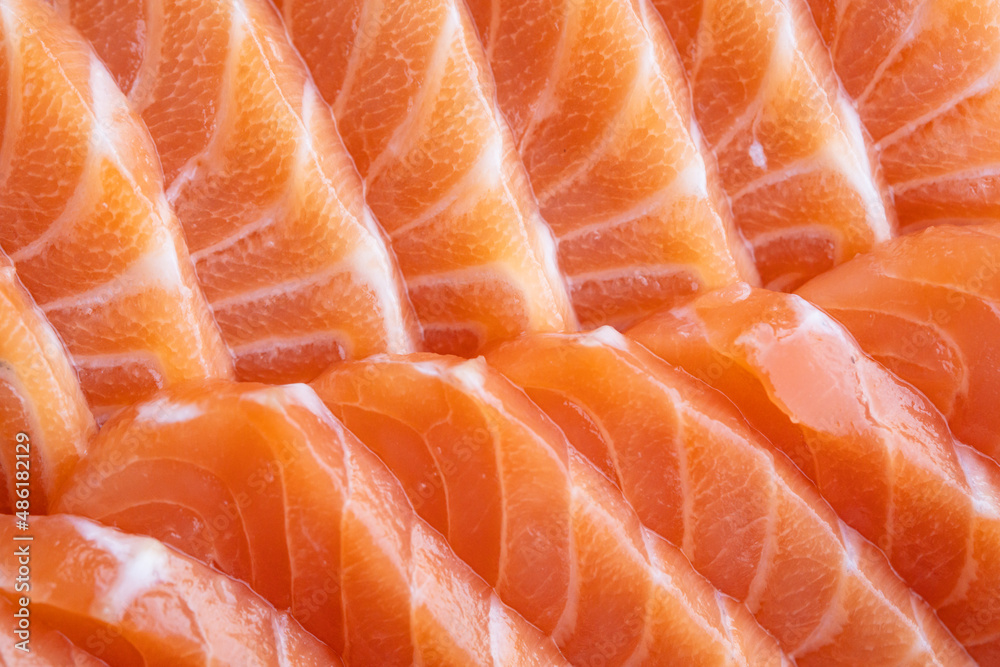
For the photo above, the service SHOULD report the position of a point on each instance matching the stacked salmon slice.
(877, 451)
(602, 119)
(926, 307)
(307, 352)
(440, 165)
(804, 184)
(924, 77)
(485, 467)
(266, 486)
(86, 221)
(40, 395)
(288, 255)
(738, 510)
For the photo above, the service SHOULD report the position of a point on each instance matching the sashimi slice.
(289, 256)
(42, 646)
(265, 485)
(44, 420)
(599, 109)
(488, 469)
(700, 477)
(131, 600)
(879, 451)
(416, 105)
(793, 156)
(86, 222)
(925, 76)
(927, 306)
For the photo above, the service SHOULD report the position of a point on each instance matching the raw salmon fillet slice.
(264, 484)
(927, 306)
(599, 109)
(482, 464)
(415, 102)
(289, 256)
(879, 451)
(86, 222)
(793, 156)
(44, 420)
(46, 647)
(131, 600)
(924, 76)
(700, 477)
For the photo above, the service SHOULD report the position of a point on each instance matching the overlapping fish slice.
(879, 452)
(130, 600)
(44, 646)
(699, 476)
(85, 220)
(928, 307)
(925, 75)
(415, 102)
(791, 149)
(599, 108)
(265, 485)
(44, 420)
(288, 254)
(486, 467)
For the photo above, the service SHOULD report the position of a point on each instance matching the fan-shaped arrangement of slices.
(597, 333)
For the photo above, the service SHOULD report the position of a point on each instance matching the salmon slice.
(700, 477)
(599, 109)
(924, 76)
(792, 153)
(264, 484)
(415, 102)
(879, 452)
(927, 306)
(45, 647)
(133, 601)
(482, 464)
(86, 222)
(44, 420)
(289, 256)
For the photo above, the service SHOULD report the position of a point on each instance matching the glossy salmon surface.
(703, 479)
(878, 451)
(265, 485)
(927, 306)
(532, 516)
(135, 601)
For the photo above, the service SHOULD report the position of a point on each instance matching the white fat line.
(166, 411)
(158, 266)
(142, 564)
